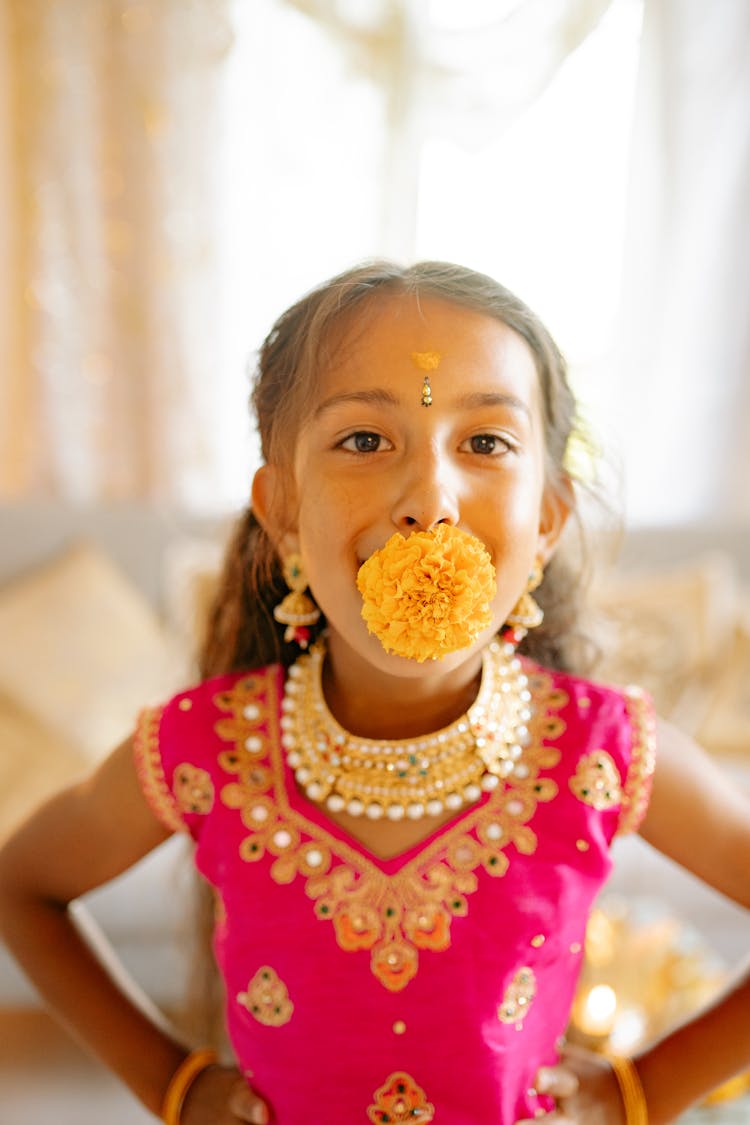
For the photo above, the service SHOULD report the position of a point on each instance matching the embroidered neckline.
(394, 914)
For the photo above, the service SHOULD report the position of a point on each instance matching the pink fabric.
(427, 987)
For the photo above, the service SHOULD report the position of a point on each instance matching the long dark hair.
(241, 631)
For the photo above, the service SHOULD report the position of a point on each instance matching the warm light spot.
(629, 1032)
(599, 1010)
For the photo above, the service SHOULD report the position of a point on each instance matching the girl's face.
(372, 460)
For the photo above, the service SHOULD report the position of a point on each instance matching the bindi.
(426, 361)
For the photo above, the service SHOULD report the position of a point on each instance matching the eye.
(488, 444)
(365, 441)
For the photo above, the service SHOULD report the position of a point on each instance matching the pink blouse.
(428, 987)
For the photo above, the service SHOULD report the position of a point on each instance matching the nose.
(427, 493)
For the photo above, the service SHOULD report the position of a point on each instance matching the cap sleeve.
(149, 765)
(640, 771)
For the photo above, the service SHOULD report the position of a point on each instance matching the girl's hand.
(584, 1088)
(221, 1096)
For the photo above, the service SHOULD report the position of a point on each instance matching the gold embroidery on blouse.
(643, 757)
(150, 770)
(193, 789)
(400, 1099)
(518, 996)
(393, 916)
(267, 998)
(596, 781)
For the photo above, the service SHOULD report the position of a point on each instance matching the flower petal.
(427, 594)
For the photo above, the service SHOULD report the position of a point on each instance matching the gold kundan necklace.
(414, 777)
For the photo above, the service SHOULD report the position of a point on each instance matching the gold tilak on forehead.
(426, 361)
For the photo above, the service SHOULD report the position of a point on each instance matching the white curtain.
(683, 387)
(462, 72)
(109, 126)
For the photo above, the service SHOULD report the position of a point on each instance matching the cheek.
(327, 533)
(515, 508)
(515, 540)
(325, 498)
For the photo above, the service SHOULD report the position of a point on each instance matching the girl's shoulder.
(586, 696)
(607, 734)
(178, 744)
(201, 702)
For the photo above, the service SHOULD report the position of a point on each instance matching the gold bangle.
(631, 1090)
(181, 1081)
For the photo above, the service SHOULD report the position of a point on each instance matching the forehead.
(379, 342)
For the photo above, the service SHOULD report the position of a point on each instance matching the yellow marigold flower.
(428, 594)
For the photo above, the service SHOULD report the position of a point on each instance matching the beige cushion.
(82, 651)
(669, 631)
(34, 763)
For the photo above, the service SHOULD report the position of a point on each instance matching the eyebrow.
(378, 397)
(492, 398)
(374, 397)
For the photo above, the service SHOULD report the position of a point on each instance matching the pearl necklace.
(413, 777)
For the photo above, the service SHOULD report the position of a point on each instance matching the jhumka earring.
(297, 611)
(526, 614)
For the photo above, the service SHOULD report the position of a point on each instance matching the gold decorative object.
(644, 971)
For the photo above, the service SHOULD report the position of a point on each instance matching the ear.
(272, 505)
(558, 502)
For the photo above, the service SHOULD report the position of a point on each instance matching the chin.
(403, 667)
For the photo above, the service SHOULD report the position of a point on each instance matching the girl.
(404, 820)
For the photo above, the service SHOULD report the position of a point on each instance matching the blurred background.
(176, 172)
(173, 174)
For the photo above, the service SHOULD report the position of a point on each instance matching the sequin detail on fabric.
(517, 997)
(596, 781)
(392, 916)
(193, 789)
(400, 1099)
(150, 771)
(642, 761)
(267, 998)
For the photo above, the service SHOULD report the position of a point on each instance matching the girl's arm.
(700, 818)
(79, 839)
